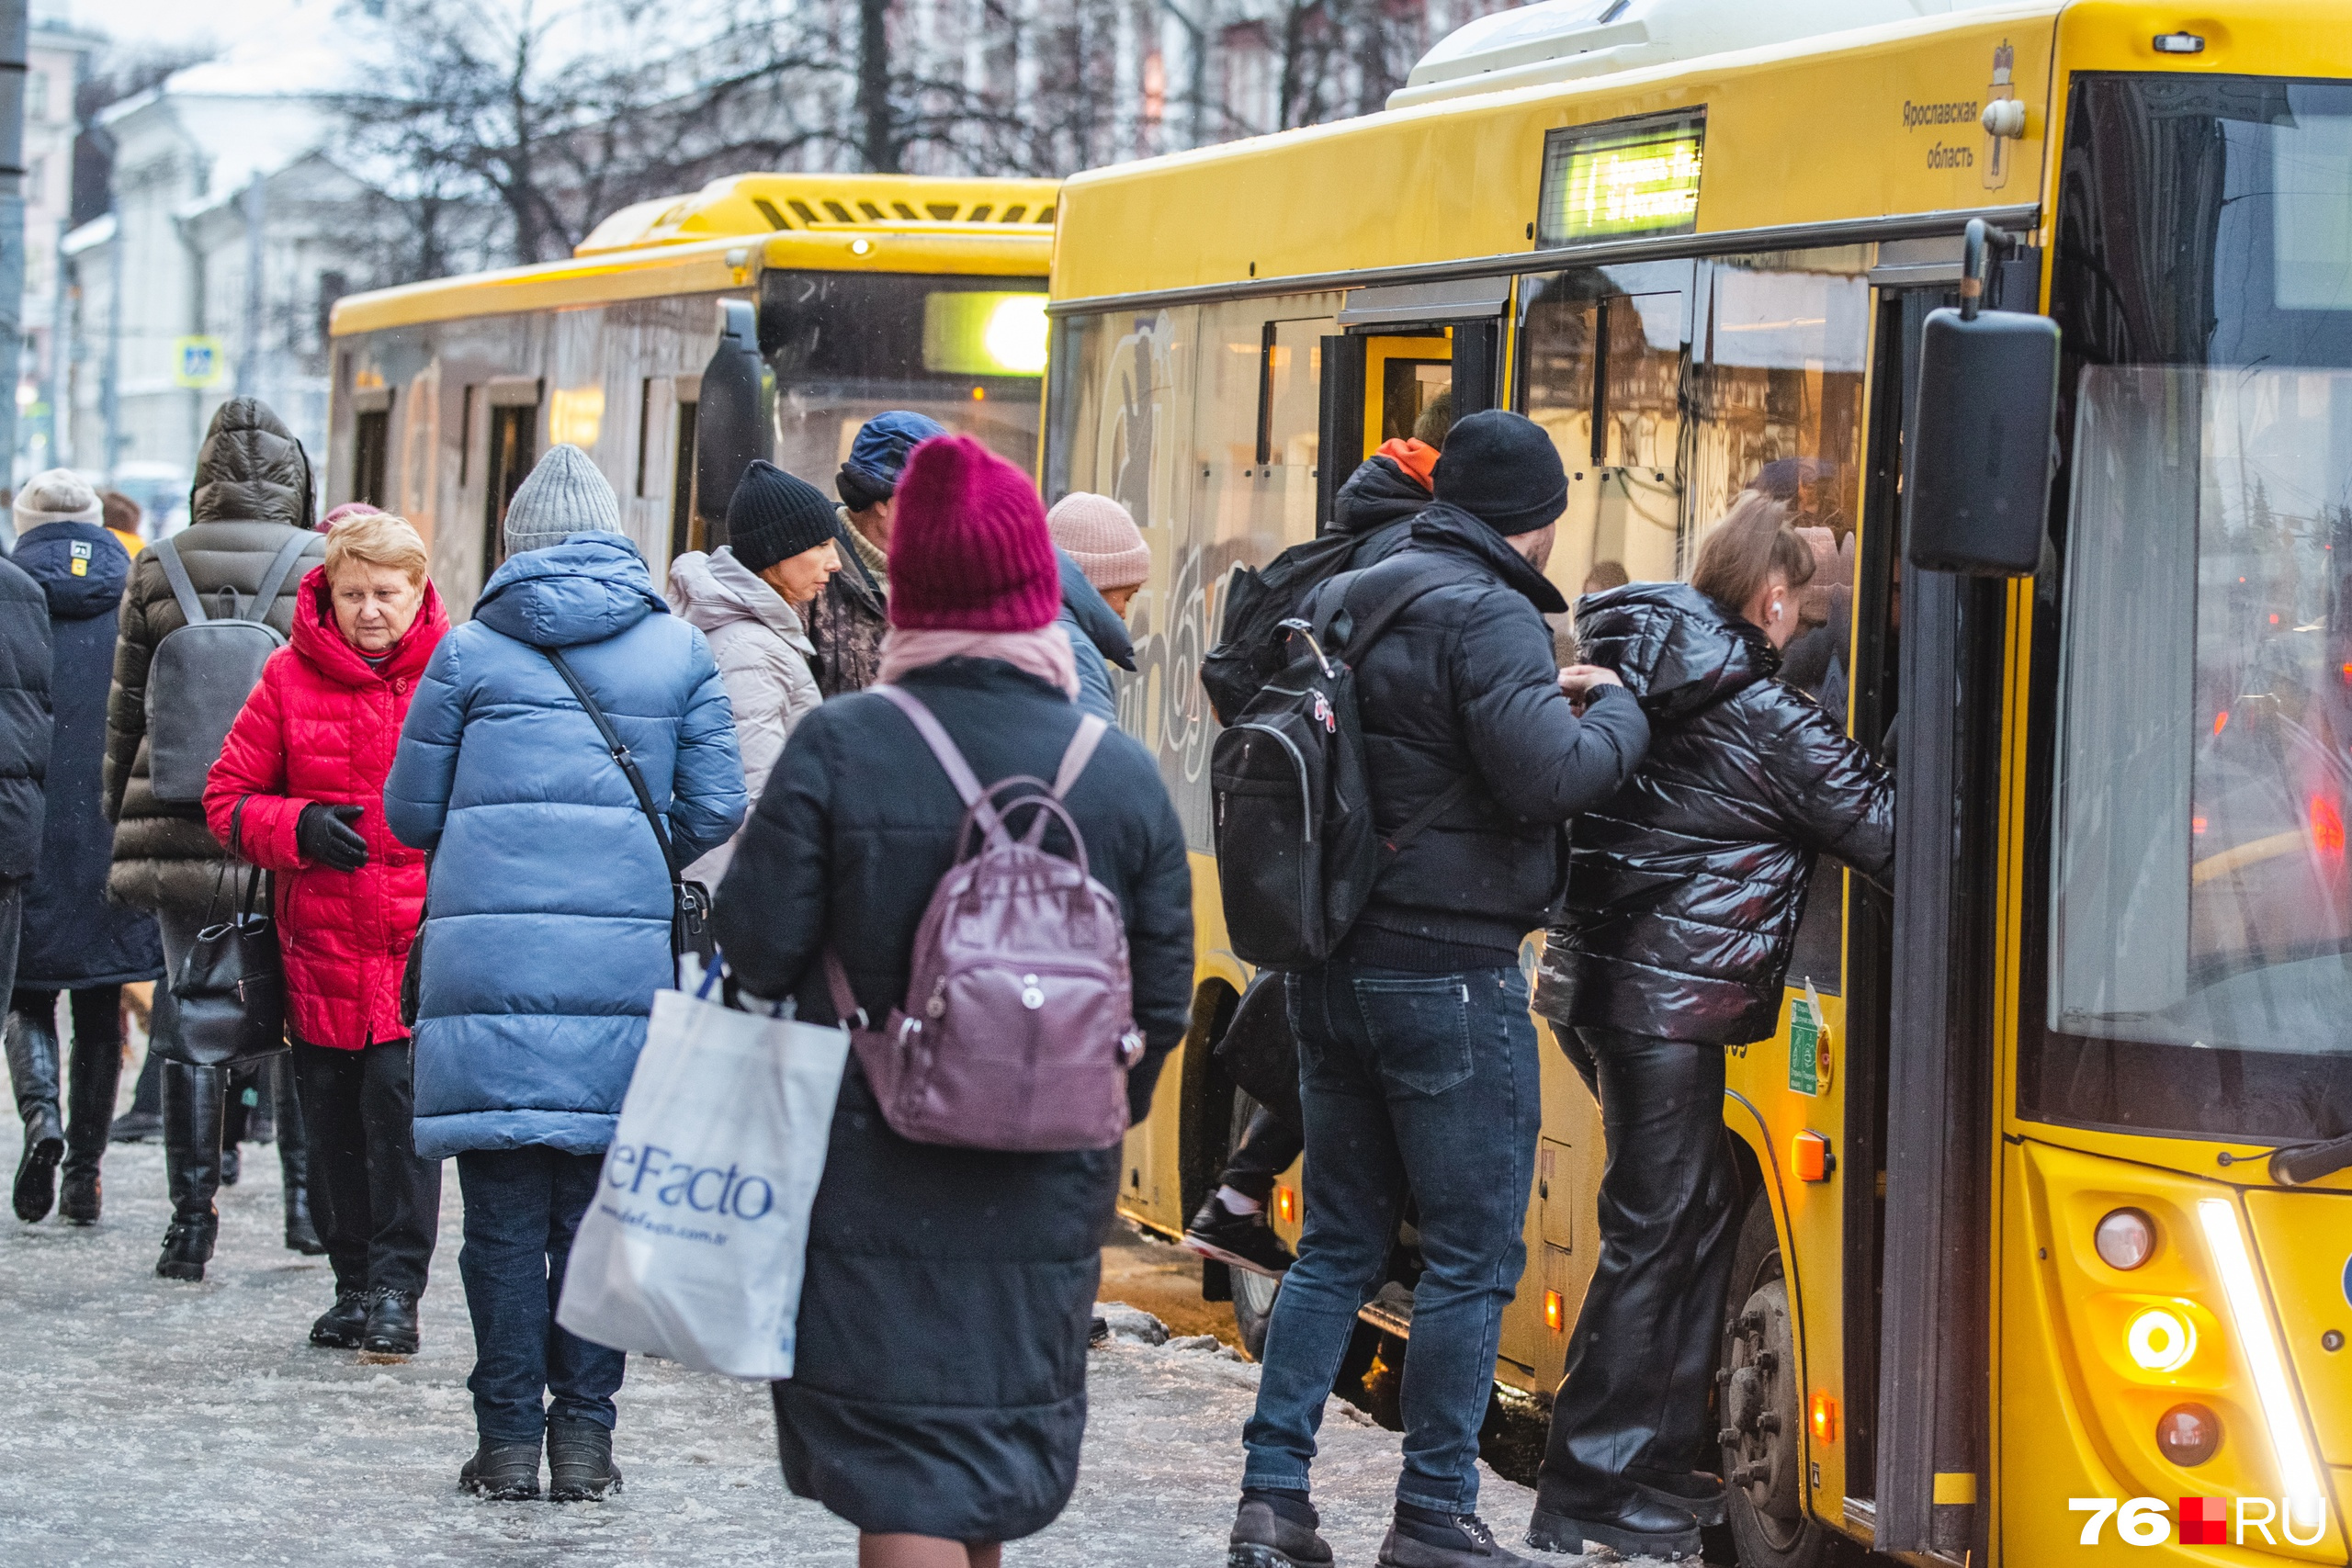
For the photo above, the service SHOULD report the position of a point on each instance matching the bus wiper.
(2301, 1164)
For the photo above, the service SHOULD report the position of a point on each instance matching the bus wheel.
(1763, 1432)
(1253, 1294)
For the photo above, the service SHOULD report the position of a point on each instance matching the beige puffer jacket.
(763, 657)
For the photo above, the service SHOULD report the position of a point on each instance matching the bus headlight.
(2125, 1239)
(2298, 1474)
(2160, 1341)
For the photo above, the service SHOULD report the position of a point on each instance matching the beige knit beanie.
(1099, 535)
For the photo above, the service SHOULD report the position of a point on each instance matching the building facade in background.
(55, 60)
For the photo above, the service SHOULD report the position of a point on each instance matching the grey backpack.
(203, 672)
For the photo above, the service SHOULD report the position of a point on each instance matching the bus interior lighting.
(2179, 43)
(2299, 1472)
(2160, 1341)
(2125, 1239)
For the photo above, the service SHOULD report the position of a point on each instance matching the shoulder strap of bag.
(620, 754)
(273, 582)
(1091, 730)
(951, 761)
(176, 573)
(1398, 585)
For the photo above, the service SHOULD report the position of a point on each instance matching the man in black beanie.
(747, 597)
(848, 621)
(1422, 1072)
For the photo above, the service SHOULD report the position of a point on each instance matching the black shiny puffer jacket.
(1685, 889)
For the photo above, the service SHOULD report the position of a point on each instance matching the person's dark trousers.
(375, 1205)
(1426, 1081)
(1268, 1146)
(1633, 1401)
(94, 1069)
(523, 1207)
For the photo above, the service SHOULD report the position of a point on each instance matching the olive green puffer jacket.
(253, 491)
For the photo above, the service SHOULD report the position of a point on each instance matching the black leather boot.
(392, 1324)
(504, 1473)
(33, 1067)
(580, 1461)
(342, 1326)
(94, 1074)
(1637, 1525)
(294, 1164)
(192, 1107)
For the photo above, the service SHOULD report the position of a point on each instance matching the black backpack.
(204, 671)
(1251, 646)
(1296, 848)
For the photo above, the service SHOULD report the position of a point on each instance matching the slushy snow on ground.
(155, 1423)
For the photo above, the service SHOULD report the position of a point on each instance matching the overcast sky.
(174, 23)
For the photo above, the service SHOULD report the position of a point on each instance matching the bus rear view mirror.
(733, 425)
(1981, 449)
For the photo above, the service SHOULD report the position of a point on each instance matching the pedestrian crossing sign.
(197, 361)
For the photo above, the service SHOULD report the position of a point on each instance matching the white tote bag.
(697, 1240)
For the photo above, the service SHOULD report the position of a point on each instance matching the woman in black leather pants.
(1684, 896)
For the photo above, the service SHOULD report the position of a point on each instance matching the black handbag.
(230, 987)
(689, 901)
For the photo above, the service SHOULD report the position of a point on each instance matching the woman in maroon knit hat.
(939, 1389)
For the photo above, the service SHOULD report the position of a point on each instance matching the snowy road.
(153, 1423)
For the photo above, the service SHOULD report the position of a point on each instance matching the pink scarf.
(1045, 653)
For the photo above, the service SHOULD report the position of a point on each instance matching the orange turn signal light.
(1809, 1157)
(1287, 1205)
(1555, 1312)
(1824, 1418)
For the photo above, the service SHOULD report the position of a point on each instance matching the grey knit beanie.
(565, 494)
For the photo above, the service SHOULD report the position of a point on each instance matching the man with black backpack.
(1420, 1057)
(252, 507)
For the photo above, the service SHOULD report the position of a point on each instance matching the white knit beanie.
(1102, 537)
(565, 494)
(58, 495)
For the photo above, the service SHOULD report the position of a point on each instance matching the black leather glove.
(327, 834)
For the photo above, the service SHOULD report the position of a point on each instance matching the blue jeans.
(523, 1207)
(1419, 1083)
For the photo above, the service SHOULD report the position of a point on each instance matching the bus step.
(1391, 1310)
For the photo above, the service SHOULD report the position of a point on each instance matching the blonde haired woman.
(297, 791)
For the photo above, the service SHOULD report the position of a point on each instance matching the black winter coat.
(74, 936)
(939, 1377)
(253, 491)
(25, 724)
(1378, 495)
(1685, 890)
(1464, 683)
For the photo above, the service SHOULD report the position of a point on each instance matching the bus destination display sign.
(1609, 182)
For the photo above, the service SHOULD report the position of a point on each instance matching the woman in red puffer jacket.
(299, 790)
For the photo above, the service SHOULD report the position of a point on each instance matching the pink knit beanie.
(968, 547)
(1102, 537)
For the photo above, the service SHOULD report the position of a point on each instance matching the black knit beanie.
(772, 516)
(1502, 468)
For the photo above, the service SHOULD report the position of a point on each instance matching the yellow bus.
(2044, 1259)
(763, 316)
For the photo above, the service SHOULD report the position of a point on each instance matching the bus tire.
(1253, 1294)
(1761, 1406)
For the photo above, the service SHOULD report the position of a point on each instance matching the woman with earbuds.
(1674, 938)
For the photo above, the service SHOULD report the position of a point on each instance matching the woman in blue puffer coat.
(548, 930)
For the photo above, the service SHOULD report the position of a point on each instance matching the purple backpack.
(1018, 1027)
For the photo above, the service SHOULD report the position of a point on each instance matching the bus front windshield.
(969, 351)
(2199, 906)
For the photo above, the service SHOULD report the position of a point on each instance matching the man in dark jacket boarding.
(1417, 1055)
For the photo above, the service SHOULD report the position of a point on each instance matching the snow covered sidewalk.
(154, 1423)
